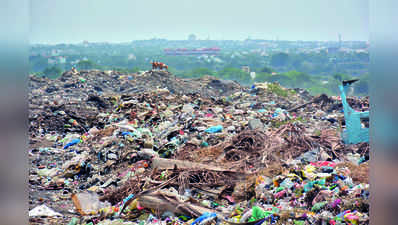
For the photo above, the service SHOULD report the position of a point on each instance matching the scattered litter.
(43, 210)
(149, 148)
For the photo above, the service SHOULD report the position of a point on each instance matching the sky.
(72, 21)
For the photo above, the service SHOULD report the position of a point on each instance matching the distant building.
(245, 69)
(197, 51)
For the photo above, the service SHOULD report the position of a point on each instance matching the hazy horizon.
(73, 21)
(123, 42)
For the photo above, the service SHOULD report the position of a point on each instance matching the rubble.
(150, 148)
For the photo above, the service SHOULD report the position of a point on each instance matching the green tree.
(121, 70)
(85, 65)
(306, 66)
(199, 72)
(52, 72)
(361, 88)
(279, 59)
(296, 62)
(333, 86)
(281, 79)
(267, 70)
(316, 90)
(340, 77)
(298, 79)
(39, 74)
(235, 74)
(39, 64)
(134, 70)
(262, 77)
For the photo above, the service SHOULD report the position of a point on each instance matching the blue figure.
(354, 132)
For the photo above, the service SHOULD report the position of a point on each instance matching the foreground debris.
(108, 148)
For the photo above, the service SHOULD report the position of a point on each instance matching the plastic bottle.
(206, 203)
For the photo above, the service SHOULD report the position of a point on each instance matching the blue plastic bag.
(73, 142)
(126, 200)
(204, 216)
(214, 129)
(127, 133)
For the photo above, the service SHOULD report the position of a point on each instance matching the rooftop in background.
(196, 51)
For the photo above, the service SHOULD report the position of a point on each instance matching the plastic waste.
(354, 132)
(127, 133)
(352, 218)
(204, 144)
(299, 222)
(47, 172)
(73, 221)
(206, 203)
(258, 213)
(287, 183)
(323, 163)
(318, 206)
(203, 217)
(88, 202)
(310, 156)
(335, 203)
(214, 129)
(43, 210)
(73, 142)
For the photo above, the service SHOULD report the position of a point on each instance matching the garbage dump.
(150, 148)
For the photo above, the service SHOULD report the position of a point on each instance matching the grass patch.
(279, 91)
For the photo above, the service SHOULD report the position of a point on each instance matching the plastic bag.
(88, 203)
(73, 142)
(214, 129)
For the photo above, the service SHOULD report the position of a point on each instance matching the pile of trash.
(150, 148)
